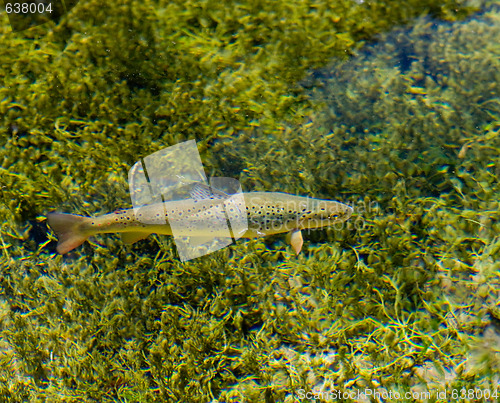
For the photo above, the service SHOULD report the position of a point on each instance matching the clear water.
(398, 118)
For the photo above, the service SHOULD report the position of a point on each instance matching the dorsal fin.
(201, 191)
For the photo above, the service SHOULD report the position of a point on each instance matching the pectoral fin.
(296, 240)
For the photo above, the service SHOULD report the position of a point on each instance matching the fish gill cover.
(406, 301)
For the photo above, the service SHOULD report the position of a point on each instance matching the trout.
(266, 213)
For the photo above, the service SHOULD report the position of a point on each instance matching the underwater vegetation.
(286, 96)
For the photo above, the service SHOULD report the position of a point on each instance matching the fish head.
(323, 213)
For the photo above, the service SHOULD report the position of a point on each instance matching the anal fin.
(133, 237)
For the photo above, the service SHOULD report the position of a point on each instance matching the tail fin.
(68, 230)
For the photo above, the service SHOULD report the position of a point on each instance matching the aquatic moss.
(84, 99)
(412, 125)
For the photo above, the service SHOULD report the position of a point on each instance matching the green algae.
(398, 302)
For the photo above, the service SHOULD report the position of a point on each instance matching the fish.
(267, 213)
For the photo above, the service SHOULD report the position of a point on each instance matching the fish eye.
(333, 216)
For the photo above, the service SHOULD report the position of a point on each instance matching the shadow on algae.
(402, 299)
